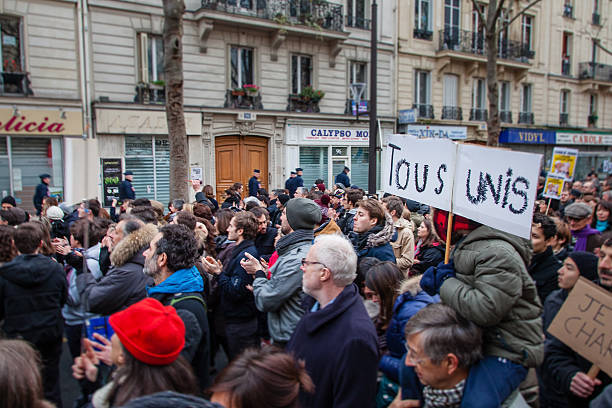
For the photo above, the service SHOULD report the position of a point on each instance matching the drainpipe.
(396, 71)
(84, 76)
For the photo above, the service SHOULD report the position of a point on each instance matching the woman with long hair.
(399, 300)
(602, 220)
(146, 347)
(233, 196)
(20, 380)
(7, 245)
(262, 378)
(429, 249)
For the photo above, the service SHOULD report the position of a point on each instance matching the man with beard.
(335, 336)
(264, 241)
(280, 296)
(170, 261)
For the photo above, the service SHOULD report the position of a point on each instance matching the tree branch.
(520, 13)
(500, 7)
(604, 49)
(479, 11)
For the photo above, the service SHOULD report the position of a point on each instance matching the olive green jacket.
(493, 289)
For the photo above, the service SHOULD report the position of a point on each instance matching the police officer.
(254, 183)
(126, 190)
(42, 191)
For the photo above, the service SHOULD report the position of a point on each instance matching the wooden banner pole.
(548, 206)
(593, 371)
(449, 230)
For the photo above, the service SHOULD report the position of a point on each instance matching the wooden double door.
(235, 159)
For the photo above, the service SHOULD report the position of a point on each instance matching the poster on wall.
(111, 177)
(564, 162)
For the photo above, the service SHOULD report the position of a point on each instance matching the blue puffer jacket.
(411, 300)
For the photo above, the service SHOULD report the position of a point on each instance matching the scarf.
(361, 240)
(450, 398)
(601, 225)
(184, 280)
(296, 236)
(582, 236)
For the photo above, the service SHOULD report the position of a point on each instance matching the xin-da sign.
(41, 122)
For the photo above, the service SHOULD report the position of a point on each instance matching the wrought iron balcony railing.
(15, 83)
(505, 116)
(564, 119)
(452, 112)
(296, 103)
(424, 111)
(474, 43)
(314, 13)
(596, 19)
(242, 100)
(150, 93)
(422, 34)
(525, 118)
(480, 115)
(566, 67)
(592, 120)
(358, 22)
(599, 72)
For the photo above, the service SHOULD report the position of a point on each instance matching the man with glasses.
(443, 348)
(335, 338)
(281, 295)
(579, 217)
(264, 241)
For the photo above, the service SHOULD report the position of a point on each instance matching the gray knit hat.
(578, 210)
(302, 213)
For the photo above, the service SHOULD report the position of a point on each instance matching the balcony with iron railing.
(505, 116)
(424, 111)
(452, 113)
(564, 119)
(470, 42)
(566, 66)
(568, 11)
(422, 34)
(318, 14)
(479, 114)
(592, 120)
(358, 22)
(595, 71)
(15, 83)
(526, 118)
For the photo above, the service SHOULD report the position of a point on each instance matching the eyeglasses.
(305, 262)
(573, 219)
(412, 356)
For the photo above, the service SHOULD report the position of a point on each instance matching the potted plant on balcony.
(238, 91)
(311, 94)
(251, 89)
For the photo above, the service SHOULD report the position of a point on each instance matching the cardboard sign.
(553, 186)
(496, 187)
(584, 323)
(564, 162)
(492, 186)
(420, 169)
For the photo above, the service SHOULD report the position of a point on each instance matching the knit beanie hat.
(153, 333)
(55, 213)
(9, 200)
(586, 263)
(302, 213)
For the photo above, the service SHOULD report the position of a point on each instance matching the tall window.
(504, 96)
(564, 107)
(422, 93)
(357, 14)
(566, 54)
(479, 94)
(527, 31)
(13, 80)
(502, 41)
(241, 66)
(452, 22)
(245, 4)
(451, 90)
(526, 98)
(358, 72)
(301, 72)
(422, 15)
(592, 119)
(478, 29)
(151, 57)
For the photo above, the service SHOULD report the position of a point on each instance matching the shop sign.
(527, 136)
(111, 177)
(336, 134)
(440, 132)
(407, 116)
(596, 139)
(41, 122)
(134, 122)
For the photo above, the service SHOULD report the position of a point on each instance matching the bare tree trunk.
(173, 67)
(493, 123)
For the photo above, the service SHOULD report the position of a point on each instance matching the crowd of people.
(314, 296)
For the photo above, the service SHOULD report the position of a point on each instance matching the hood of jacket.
(28, 270)
(402, 223)
(412, 285)
(170, 399)
(133, 244)
(383, 236)
(522, 246)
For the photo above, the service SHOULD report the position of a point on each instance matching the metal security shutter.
(313, 160)
(139, 159)
(162, 170)
(359, 167)
(5, 183)
(31, 156)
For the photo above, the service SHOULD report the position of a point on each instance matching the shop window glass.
(5, 183)
(241, 62)
(359, 167)
(151, 166)
(314, 162)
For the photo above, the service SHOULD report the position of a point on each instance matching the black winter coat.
(237, 301)
(265, 242)
(543, 269)
(431, 255)
(33, 290)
